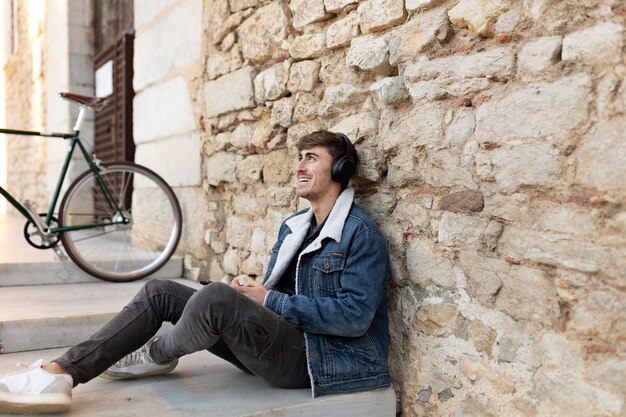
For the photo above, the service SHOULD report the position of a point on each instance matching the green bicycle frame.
(93, 166)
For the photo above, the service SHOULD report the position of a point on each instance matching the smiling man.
(318, 320)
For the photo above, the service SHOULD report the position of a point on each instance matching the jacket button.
(326, 266)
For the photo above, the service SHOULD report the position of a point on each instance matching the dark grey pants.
(216, 318)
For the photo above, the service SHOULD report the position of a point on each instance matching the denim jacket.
(340, 297)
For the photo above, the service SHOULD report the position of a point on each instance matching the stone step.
(48, 316)
(204, 385)
(53, 271)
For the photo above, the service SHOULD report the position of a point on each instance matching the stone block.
(174, 43)
(303, 76)
(572, 396)
(305, 108)
(478, 368)
(242, 135)
(389, 90)
(358, 127)
(308, 46)
(461, 128)
(465, 201)
(369, 53)
(222, 167)
(599, 315)
(539, 54)
(527, 294)
(281, 196)
(237, 5)
(458, 230)
(234, 91)
(238, 231)
(277, 169)
(262, 134)
(249, 205)
(341, 32)
(421, 126)
(567, 220)
(483, 276)
(335, 6)
(478, 16)
(403, 169)
(262, 34)
(562, 251)
(507, 22)
(307, 11)
(601, 156)
(194, 204)
(444, 168)
(377, 15)
(338, 98)
(218, 64)
(333, 69)
(418, 35)
(271, 84)
(295, 132)
(409, 213)
(458, 75)
(548, 110)
(282, 111)
(230, 262)
(249, 170)
(482, 336)
(438, 319)
(419, 5)
(176, 159)
(152, 118)
(532, 164)
(219, 14)
(426, 266)
(599, 44)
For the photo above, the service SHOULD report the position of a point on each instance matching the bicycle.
(118, 222)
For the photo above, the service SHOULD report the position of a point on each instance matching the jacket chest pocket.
(327, 270)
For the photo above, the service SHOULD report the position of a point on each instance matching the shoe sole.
(34, 403)
(118, 376)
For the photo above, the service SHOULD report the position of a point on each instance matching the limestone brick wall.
(494, 160)
(24, 98)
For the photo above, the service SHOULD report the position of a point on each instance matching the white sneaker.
(35, 391)
(138, 364)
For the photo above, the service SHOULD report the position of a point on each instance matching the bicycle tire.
(121, 252)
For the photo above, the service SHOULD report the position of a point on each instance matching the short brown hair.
(329, 140)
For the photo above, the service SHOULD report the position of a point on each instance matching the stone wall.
(494, 159)
(23, 72)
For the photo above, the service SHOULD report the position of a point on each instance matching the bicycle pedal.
(59, 253)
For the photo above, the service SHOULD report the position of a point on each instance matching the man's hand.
(253, 290)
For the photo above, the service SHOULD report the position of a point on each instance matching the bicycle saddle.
(89, 101)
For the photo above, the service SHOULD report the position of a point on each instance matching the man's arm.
(351, 312)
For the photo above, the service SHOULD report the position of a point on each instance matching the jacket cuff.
(274, 300)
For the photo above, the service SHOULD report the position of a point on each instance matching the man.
(319, 319)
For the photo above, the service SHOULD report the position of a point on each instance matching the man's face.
(313, 173)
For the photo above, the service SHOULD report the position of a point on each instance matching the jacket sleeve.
(362, 285)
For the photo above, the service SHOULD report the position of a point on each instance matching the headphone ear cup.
(343, 169)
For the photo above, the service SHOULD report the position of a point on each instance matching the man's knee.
(155, 287)
(217, 295)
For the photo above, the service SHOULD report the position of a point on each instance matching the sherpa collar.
(299, 225)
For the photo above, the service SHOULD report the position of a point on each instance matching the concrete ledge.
(204, 385)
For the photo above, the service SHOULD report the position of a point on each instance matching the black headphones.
(344, 165)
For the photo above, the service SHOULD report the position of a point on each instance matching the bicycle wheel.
(107, 248)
